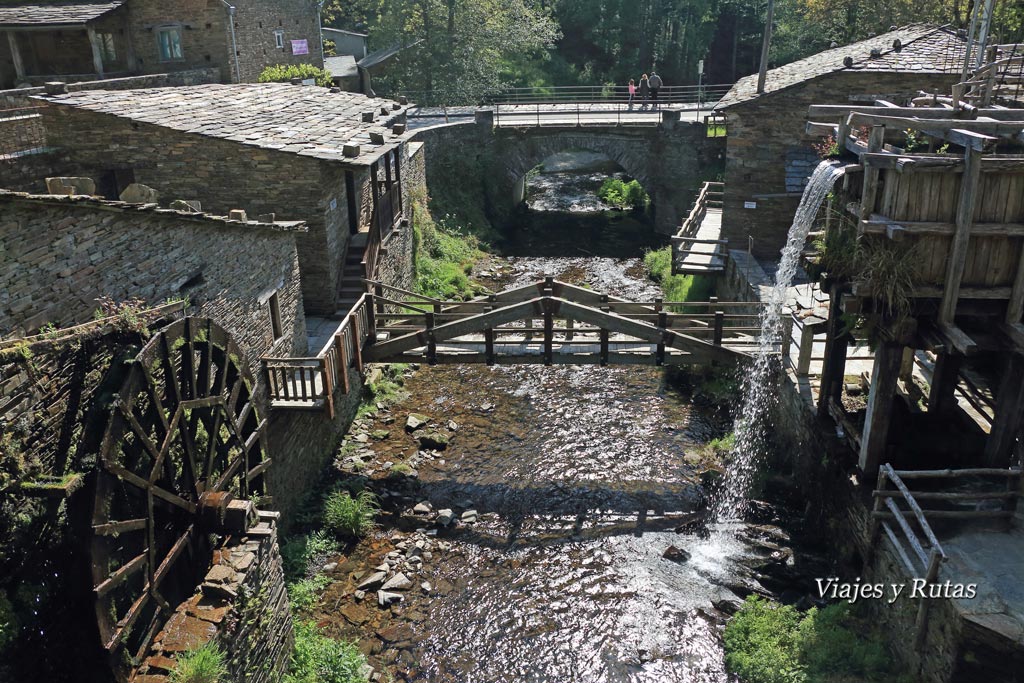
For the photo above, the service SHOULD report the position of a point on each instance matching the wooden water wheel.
(182, 441)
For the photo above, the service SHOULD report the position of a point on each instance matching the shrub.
(444, 258)
(348, 516)
(304, 593)
(284, 73)
(205, 664)
(297, 554)
(676, 287)
(319, 659)
(623, 194)
(770, 643)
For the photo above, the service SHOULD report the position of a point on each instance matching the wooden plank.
(949, 495)
(1009, 414)
(914, 507)
(944, 380)
(961, 238)
(120, 575)
(953, 474)
(869, 191)
(875, 436)
(891, 535)
(908, 533)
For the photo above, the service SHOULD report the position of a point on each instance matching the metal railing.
(674, 94)
(311, 382)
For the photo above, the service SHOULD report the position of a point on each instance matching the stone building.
(769, 156)
(62, 253)
(96, 39)
(333, 160)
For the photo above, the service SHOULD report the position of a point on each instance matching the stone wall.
(768, 149)
(223, 176)
(242, 606)
(257, 21)
(60, 255)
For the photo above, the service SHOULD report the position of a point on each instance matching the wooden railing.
(919, 550)
(383, 223)
(312, 382)
(683, 242)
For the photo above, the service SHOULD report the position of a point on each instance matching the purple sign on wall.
(300, 47)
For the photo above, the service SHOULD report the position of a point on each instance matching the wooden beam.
(944, 380)
(875, 437)
(19, 65)
(870, 187)
(958, 339)
(957, 260)
(881, 225)
(941, 127)
(912, 163)
(834, 366)
(1015, 306)
(97, 53)
(1009, 414)
(844, 111)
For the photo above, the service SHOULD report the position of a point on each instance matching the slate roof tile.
(68, 13)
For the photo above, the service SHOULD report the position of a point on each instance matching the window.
(169, 41)
(275, 316)
(107, 50)
(279, 39)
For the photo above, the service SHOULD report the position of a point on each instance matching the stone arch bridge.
(670, 159)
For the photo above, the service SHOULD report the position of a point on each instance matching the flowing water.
(758, 387)
(580, 476)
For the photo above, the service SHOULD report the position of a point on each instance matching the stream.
(569, 556)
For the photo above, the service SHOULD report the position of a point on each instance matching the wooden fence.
(688, 240)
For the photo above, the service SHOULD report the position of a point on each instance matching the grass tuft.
(205, 664)
(348, 516)
(676, 287)
(320, 659)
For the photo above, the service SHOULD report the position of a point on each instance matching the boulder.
(469, 516)
(398, 582)
(373, 581)
(423, 508)
(71, 186)
(445, 517)
(384, 598)
(416, 421)
(137, 193)
(436, 441)
(675, 554)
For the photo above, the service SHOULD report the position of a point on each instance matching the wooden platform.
(698, 247)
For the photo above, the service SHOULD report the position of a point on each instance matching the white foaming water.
(758, 388)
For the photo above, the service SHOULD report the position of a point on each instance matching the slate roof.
(61, 14)
(343, 66)
(924, 49)
(304, 120)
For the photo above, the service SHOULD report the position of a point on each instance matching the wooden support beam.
(881, 225)
(957, 259)
(833, 368)
(97, 53)
(870, 187)
(19, 65)
(1015, 306)
(875, 437)
(803, 359)
(1006, 427)
(944, 380)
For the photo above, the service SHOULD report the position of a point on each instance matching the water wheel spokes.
(183, 435)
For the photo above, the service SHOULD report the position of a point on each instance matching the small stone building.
(96, 39)
(61, 254)
(334, 160)
(769, 156)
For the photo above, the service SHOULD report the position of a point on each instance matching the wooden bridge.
(547, 322)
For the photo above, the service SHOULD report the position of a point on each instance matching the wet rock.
(469, 516)
(416, 421)
(437, 441)
(359, 595)
(380, 434)
(675, 554)
(452, 425)
(423, 508)
(330, 566)
(373, 581)
(445, 517)
(396, 634)
(354, 615)
(398, 582)
(727, 602)
(384, 598)
(425, 586)
(361, 438)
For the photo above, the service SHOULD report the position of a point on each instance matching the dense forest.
(460, 49)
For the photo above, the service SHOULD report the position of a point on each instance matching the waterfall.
(758, 387)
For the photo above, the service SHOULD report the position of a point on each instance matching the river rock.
(384, 598)
(675, 554)
(380, 434)
(452, 425)
(423, 508)
(330, 566)
(373, 581)
(425, 586)
(469, 516)
(398, 582)
(445, 517)
(437, 441)
(359, 595)
(416, 421)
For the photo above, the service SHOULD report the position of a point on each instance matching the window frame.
(279, 41)
(171, 29)
(108, 47)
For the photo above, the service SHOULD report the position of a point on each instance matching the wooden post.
(569, 334)
(880, 398)
(19, 65)
(803, 360)
(787, 338)
(945, 376)
(371, 318)
(1009, 414)
(339, 340)
(719, 327)
(876, 523)
(97, 53)
(659, 356)
(870, 190)
(328, 389)
(921, 623)
(907, 365)
(604, 347)
(763, 71)
(549, 332)
(489, 345)
(357, 343)
(431, 342)
(957, 260)
(833, 367)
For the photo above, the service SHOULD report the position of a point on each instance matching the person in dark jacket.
(645, 91)
(655, 85)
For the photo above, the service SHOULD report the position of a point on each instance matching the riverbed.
(570, 555)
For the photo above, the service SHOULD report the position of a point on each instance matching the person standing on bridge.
(632, 92)
(645, 91)
(655, 83)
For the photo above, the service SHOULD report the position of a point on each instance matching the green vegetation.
(717, 130)
(300, 552)
(304, 593)
(320, 659)
(444, 257)
(205, 664)
(770, 643)
(385, 389)
(623, 195)
(348, 516)
(676, 287)
(284, 73)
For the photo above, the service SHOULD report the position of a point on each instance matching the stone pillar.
(485, 117)
(875, 437)
(97, 54)
(19, 66)
(669, 119)
(945, 376)
(1009, 414)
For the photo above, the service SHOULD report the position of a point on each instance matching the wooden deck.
(698, 247)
